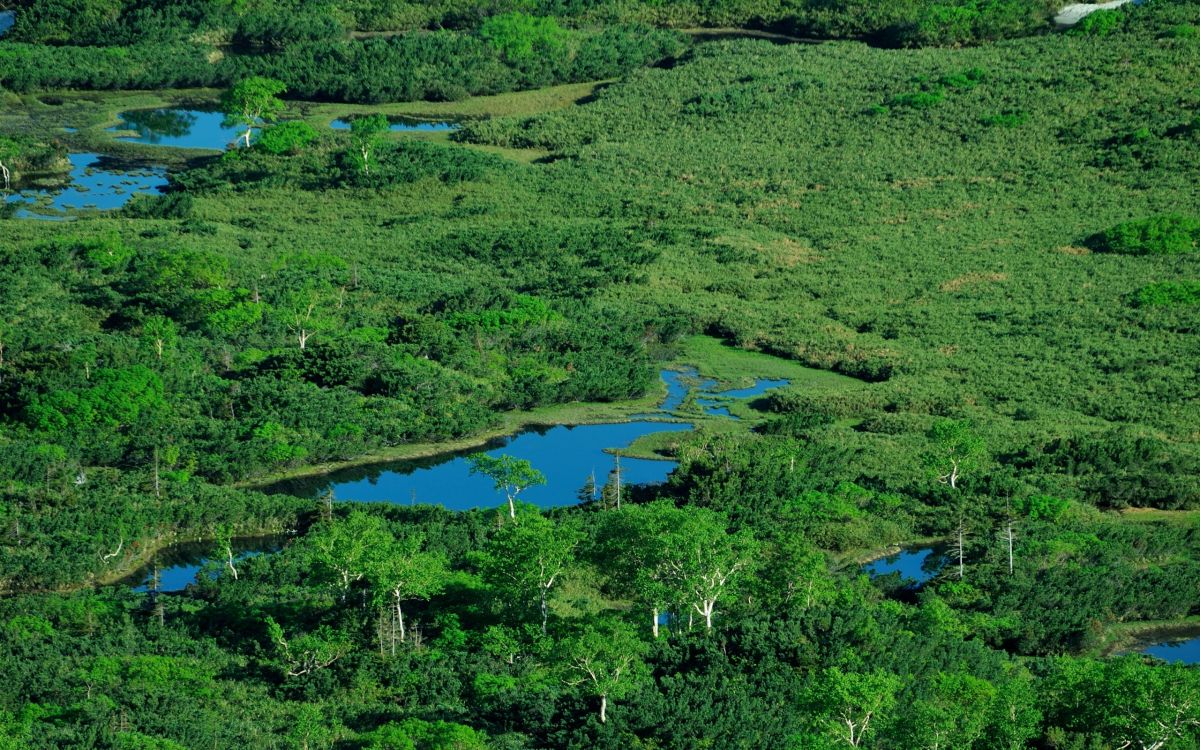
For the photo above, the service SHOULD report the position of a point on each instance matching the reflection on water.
(179, 565)
(1181, 652)
(917, 564)
(406, 125)
(568, 456)
(179, 128)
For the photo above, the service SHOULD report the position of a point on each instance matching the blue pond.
(180, 565)
(918, 565)
(406, 125)
(568, 456)
(179, 128)
(7, 19)
(92, 184)
(1181, 652)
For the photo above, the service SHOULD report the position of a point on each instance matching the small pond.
(7, 19)
(94, 182)
(406, 125)
(915, 564)
(1179, 651)
(713, 402)
(178, 128)
(568, 456)
(180, 564)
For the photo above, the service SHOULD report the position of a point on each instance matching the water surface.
(568, 456)
(406, 125)
(178, 128)
(916, 565)
(94, 183)
(180, 565)
(1180, 652)
(7, 19)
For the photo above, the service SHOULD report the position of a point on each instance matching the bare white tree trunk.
(603, 709)
(654, 622)
(7, 177)
(961, 550)
(1009, 530)
(229, 560)
(618, 470)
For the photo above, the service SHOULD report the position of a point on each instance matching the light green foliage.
(1171, 234)
(850, 707)
(1128, 702)
(347, 550)
(287, 137)
(1168, 294)
(1040, 507)
(510, 475)
(606, 661)
(526, 558)
(365, 132)
(253, 102)
(957, 451)
(519, 36)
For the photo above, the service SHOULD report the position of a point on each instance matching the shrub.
(1182, 31)
(286, 137)
(518, 36)
(1006, 120)
(1168, 294)
(1158, 235)
(1099, 23)
(169, 206)
(919, 99)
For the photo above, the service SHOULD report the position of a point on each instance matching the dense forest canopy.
(964, 246)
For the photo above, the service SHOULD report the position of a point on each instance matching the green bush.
(1168, 294)
(1006, 120)
(519, 36)
(286, 137)
(1159, 235)
(1182, 31)
(1099, 23)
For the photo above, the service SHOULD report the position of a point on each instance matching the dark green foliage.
(1171, 234)
(424, 65)
(169, 206)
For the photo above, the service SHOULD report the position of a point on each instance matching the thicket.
(1158, 235)
(441, 65)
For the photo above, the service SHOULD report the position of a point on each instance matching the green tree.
(402, 572)
(1129, 703)
(160, 334)
(252, 102)
(349, 548)
(955, 715)
(606, 660)
(9, 150)
(957, 452)
(509, 475)
(526, 557)
(365, 132)
(848, 706)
